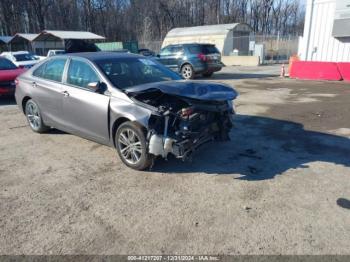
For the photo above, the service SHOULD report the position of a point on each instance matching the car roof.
(15, 53)
(187, 44)
(95, 56)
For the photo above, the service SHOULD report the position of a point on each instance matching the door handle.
(34, 84)
(65, 93)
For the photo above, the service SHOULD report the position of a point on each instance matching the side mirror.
(158, 55)
(97, 87)
(102, 87)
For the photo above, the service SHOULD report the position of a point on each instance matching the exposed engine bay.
(179, 125)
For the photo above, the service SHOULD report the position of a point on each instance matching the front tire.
(34, 118)
(187, 71)
(131, 145)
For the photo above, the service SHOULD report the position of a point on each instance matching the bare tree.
(147, 20)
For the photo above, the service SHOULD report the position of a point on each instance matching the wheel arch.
(116, 124)
(120, 121)
(24, 102)
(185, 63)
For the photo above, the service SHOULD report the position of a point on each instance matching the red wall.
(319, 70)
(344, 69)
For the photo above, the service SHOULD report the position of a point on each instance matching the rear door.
(47, 90)
(85, 111)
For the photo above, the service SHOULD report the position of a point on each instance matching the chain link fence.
(277, 48)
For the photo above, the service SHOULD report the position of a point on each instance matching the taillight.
(202, 57)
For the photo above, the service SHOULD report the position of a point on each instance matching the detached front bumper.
(183, 145)
(182, 149)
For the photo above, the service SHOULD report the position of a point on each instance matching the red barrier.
(344, 69)
(315, 71)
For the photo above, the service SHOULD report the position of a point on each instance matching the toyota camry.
(125, 101)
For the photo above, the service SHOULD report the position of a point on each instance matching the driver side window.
(165, 51)
(81, 74)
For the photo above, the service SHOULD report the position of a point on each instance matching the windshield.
(24, 57)
(6, 64)
(126, 72)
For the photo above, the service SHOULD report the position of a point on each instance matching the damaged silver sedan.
(126, 101)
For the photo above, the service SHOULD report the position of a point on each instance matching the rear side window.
(204, 49)
(209, 49)
(195, 49)
(81, 74)
(51, 70)
(39, 71)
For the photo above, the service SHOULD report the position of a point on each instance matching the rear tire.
(187, 71)
(209, 74)
(34, 118)
(131, 145)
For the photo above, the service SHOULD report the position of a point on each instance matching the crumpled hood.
(202, 90)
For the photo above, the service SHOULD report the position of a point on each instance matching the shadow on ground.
(261, 148)
(343, 202)
(6, 101)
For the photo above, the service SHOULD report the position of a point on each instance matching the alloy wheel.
(33, 116)
(187, 71)
(130, 146)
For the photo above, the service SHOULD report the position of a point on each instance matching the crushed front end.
(179, 125)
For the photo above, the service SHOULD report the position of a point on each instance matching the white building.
(226, 37)
(326, 32)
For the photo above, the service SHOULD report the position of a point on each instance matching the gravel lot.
(280, 186)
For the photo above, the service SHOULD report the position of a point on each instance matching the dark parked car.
(191, 59)
(146, 52)
(125, 101)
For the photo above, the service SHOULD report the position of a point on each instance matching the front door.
(174, 60)
(85, 111)
(164, 55)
